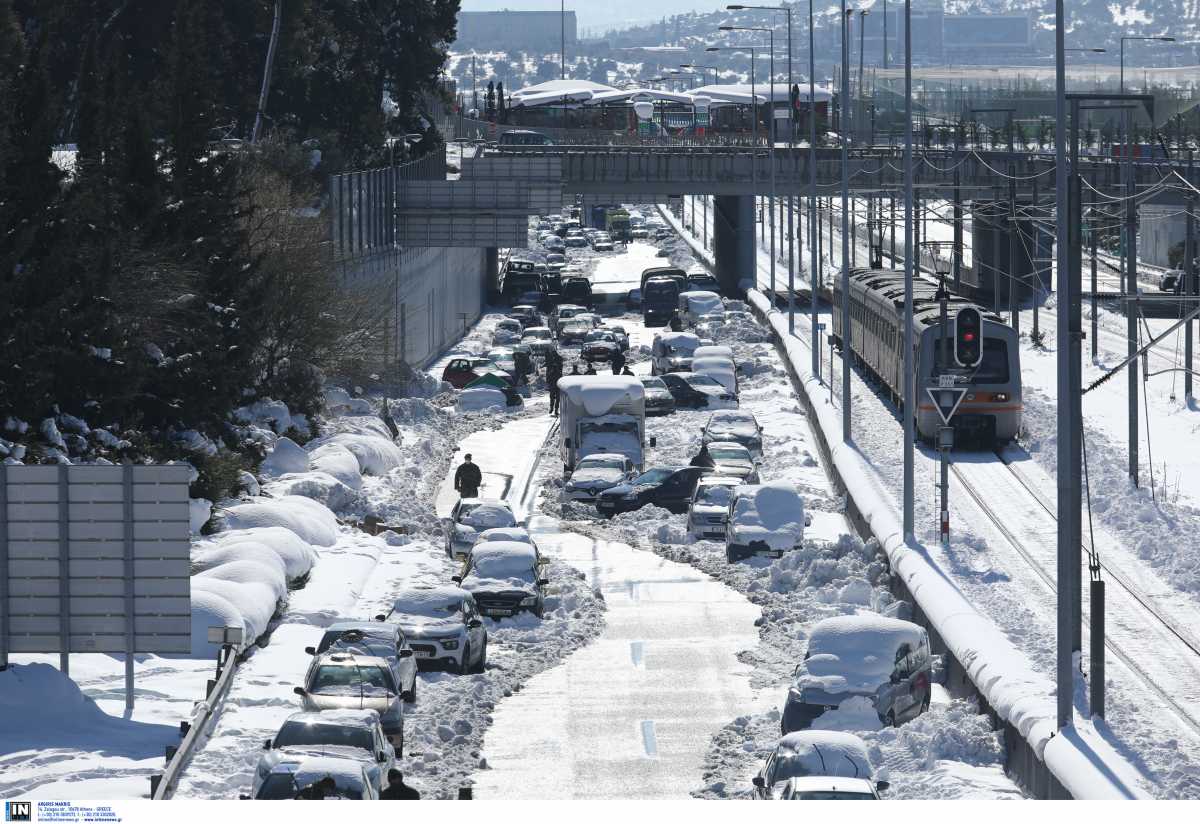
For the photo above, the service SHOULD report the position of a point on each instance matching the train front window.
(994, 366)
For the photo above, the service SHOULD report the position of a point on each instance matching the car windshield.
(602, 462)
(660, 291)
(351, 639)
(305, 734)
(700, 380)
(604, 336)
(277, 787)
(430, 607)
(485, 516)
(653, 383)
(727, 452)
(715, 495)
(653, 476)
(539, 334)
(338, 677)
(831, 795)
(732, 418)
(503, 566)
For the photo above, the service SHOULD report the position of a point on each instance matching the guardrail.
(163, 786)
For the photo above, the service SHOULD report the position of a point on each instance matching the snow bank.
(253, 602)
(319, 486)
(377, 454)
(310, 520)
(339, 402)
(286, 457)
(248, 571)
(481, 398)
(296, 555)
(31, 694)
(339, 462)
(1078, 756)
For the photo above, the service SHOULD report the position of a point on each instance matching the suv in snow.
(710, 507)
(881, 662)
(353, 734)
(340, 680)
(734, 425)
(443, 627)
(764, 519)
(818, 765)
(596, 473)
(471, 516)
(505, 578)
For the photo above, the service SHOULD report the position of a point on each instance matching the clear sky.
(599, 17)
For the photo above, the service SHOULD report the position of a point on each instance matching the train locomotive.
(990, 411)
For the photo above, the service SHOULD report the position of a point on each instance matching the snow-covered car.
(525, 314)
(710, 350)
(698, 392)
(554, 244)
(738, 316)
(764, 519)
(709, 326)
(342, 680)
(539, 339)
(824, 765)
(639, 233)
(659, 400)
(599, 345)
(505, 579)
(556, 259)
(472, 516)
(291, 775)
(575, 240)
(596, 473)
(669, 487)
(371, 638)
(734, 460)
(621, 335)
(506, 533)
(443, 627)
(573, 333)
(506, 331)
(590, 317)
(866, 663)
(563, 313)
(719, 369)
(353, 734)
(602, 242)
(710, 507)
(502, 357)
(736, 426)
(702, 282)
(672, 352)
(480, 398)
(694, 304)
(461, 371)
(1170, 280)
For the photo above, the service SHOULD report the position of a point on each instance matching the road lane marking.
(649, 742)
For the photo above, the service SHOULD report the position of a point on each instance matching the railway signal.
(968, 337)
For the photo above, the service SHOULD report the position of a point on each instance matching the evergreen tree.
(501, 106)
(489, 101)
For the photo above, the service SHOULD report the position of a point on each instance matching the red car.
(461, 371)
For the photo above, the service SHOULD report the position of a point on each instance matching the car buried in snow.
(698, 392)
(370, 638)
(574, 333)
(471, 516)
(443, 626)
(734, 425)
(733, 460)
(818, 765)
(505, 579)
(597, 472)
(340, 680)
(709, 508)
(351, 734)
(765, 520)
(506, 332)
(669, 487)
(871, 663)
(290, 777)
(659, 400)
(599, 345)
(525, 314)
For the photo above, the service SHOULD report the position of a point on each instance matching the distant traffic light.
(968, 337)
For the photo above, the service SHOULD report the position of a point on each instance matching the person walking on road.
(675, 323)
(467, 478)
(397, 790)
(618, 362)
(553, 373)
(703, 458)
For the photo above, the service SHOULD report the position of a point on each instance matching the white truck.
(602, 413)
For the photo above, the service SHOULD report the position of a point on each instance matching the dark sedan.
(693, 391)
(600, 345)
(670, 487)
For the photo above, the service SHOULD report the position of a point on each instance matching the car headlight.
(529, 601)
(449, 644)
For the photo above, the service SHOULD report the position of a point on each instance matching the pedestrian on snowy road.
(467, 478)
(388, 420)
(618, 362)
(703, 458)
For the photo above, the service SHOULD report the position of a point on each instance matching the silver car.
(339, 680)
(710, 507)
(373, 638)
(296, 773)
(353, 734)
(596, 473)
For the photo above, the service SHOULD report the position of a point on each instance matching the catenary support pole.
(1068, 544)
(910, 406)
(814, 224)
(958, 233)
(1131, 308)
(1189, 288)
(847, 332)
(1095, 282)
(1096, 657)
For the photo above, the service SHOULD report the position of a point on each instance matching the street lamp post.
(862, 32)
(770, 137)
(1161, 39)
(713, 69)
(909, 357)
(562, 25)
(847, 434)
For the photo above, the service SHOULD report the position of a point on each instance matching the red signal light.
(968, 336)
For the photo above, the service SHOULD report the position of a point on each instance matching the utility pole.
(910, 406)
(1189, 268)
(885, 39)
(957, 251)
(814, 224)
(1068, 474)
(1095, 285)
(1132, 306)
(846, 331)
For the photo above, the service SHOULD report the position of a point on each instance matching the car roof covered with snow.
(506, 548)
(423, 600)
(826, 752)
(713, 351)
(486, 514)
(346, 773)
(365, 719)
(684, 340)
(505, 533)
(599, 393)
(856, 652)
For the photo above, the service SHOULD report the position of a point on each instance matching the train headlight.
(1000, 396)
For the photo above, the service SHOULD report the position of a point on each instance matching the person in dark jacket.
(397, 790)
(388, 420)
(703, 458)
(318, 790)
(553, 373)
(467, 478)
(591, 369)
(618, 362)
(675, 323)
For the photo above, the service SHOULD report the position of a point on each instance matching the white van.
(764, 519)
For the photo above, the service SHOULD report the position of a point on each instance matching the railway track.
(1150, 639)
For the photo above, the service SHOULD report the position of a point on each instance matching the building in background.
(538, 32)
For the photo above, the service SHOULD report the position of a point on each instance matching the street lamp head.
(865, 12)
(735, 7)
(1167, 39)
(727, 28)
(713, 48)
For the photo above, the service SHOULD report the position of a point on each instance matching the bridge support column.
(491, 275)
(733, 240)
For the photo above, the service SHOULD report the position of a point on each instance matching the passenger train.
(990, 411)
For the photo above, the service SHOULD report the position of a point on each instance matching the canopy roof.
(588, 93)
